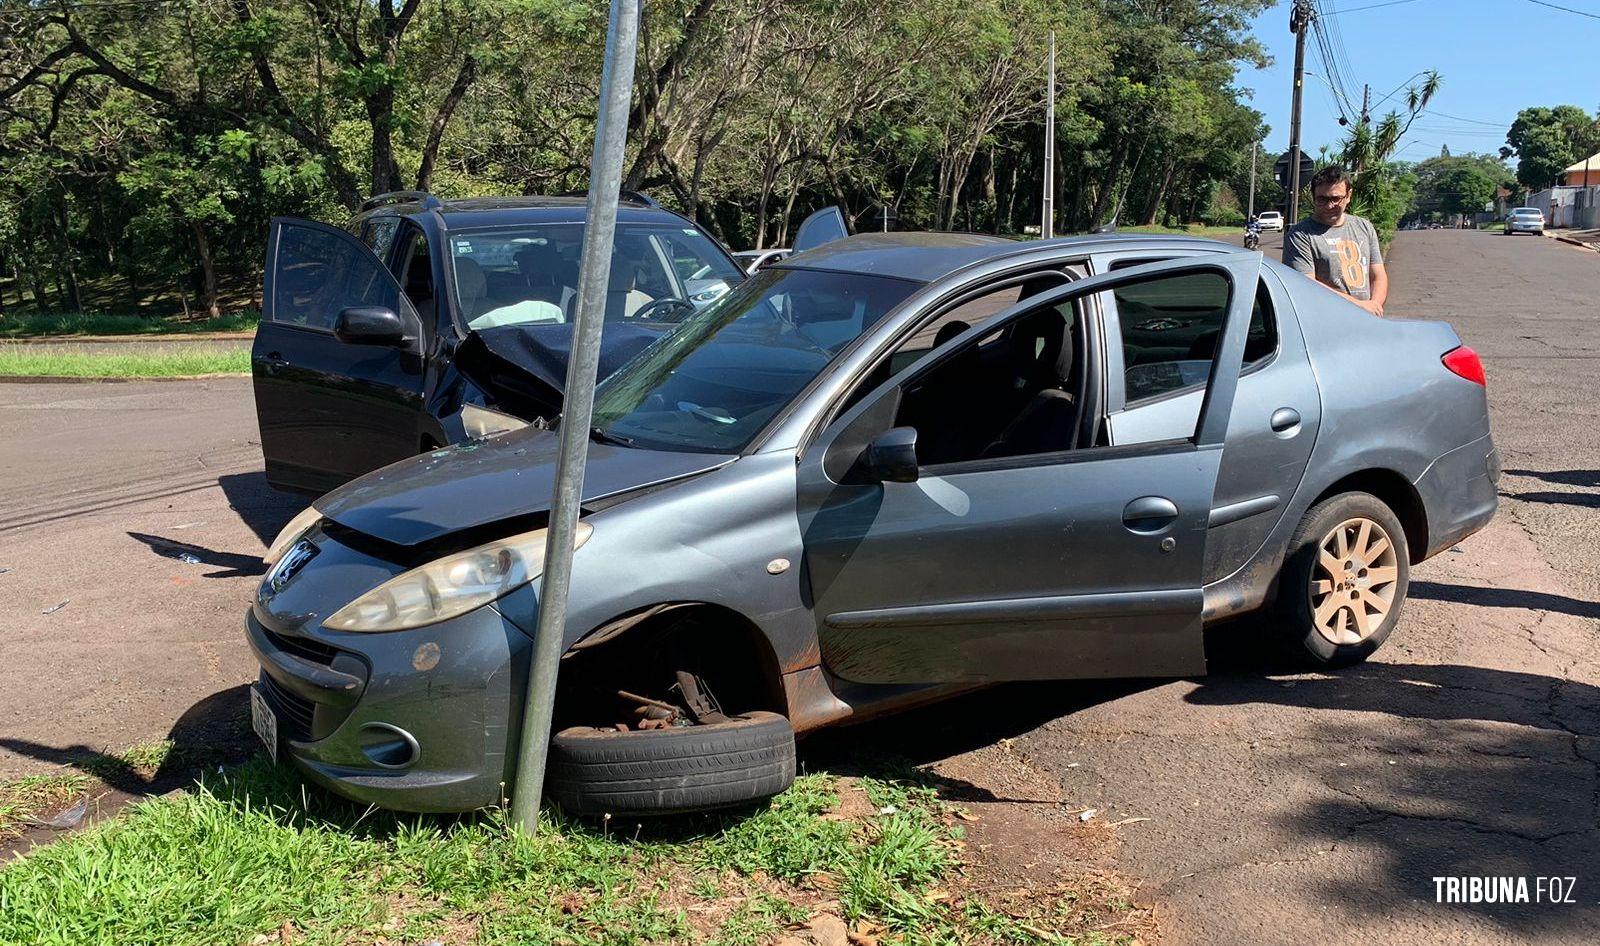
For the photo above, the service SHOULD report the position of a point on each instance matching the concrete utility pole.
(1299, 24)
(583, 364)
(1047, 225)
(1366, 104)
(1250, 215)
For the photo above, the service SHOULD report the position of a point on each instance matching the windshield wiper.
(601, 435)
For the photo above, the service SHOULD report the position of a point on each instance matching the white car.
(1525, 220)
(1270, 220)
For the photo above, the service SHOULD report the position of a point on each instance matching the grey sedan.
(875, 474)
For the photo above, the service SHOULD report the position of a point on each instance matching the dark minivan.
(426, 322)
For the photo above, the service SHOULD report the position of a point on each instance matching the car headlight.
(482, 422)
(297, 527)
(451, 586)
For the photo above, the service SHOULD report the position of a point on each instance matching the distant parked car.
(1525, 220)
(753, 260)
(1270, 220)
(878, 473)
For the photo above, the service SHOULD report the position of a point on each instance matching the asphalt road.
(1282, 807)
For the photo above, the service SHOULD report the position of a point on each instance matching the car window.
(417, 276)
(529, 275)
(722, 374)
(1014, 392)
(1261, 340)
(1169, 332)
(378, 233)
(318, 273)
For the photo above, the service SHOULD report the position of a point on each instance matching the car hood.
(486, 481)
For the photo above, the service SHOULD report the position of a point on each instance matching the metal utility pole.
(599, 232)
(1250, 215)
(1047, 226)
(1299, 24)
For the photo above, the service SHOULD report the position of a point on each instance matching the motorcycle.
(1252, 236)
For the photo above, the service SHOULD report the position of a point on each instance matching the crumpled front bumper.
(419, 720)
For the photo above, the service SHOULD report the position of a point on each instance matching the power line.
(1474, 121)
(1370, 6)
(1556, 6)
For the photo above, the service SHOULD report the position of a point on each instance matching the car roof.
(926, 256)
(1269, 213)
(475, 212)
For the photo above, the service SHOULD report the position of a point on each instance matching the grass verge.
(255, 856)
(19, 361)
(1193, 229)
(50, 324)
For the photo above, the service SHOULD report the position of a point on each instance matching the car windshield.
(1527, 212)
(728, 369)
(529, 275)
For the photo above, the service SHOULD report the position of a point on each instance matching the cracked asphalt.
(1282, 806)
(1320, 807)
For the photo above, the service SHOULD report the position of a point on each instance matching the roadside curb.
(79, 379)
(1575, 242)
(161, 339)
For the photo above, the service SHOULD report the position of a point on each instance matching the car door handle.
(273, 360)
(1148, 515)
(1284, 418)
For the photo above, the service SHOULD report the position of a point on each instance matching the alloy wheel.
(1352, 587)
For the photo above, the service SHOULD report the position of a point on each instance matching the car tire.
(1316, 609)
(665, 771)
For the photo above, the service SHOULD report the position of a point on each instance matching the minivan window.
(529, 275)
(713, 383)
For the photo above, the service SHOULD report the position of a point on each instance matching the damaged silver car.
(874, 474)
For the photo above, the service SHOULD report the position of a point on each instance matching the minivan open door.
(337, 360)
(1060, 560)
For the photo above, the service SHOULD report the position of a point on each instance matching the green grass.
(255, 849)
(51, 324)
(1193, 229)
(21, 361)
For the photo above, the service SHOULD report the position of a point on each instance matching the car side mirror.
(370, 325)
(892, 458)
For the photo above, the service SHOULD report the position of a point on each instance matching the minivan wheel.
(664, 771)
(1344, 581)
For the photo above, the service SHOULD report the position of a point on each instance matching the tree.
(1547, 141)
(1459, 185)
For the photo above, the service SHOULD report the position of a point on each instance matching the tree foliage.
(1459, 184)
(150, 142)
(1547, 141)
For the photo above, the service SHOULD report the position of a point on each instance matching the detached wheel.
(1344, 581)
(664, 771)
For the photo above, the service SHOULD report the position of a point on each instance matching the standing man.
(1338, 249)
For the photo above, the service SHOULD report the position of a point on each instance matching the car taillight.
(1464, 362)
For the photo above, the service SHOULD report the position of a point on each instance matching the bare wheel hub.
(1353, 584)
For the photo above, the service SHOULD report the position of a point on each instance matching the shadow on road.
(1517, 798)
(262, 508)
(234, 564)
(1552, 498)
(1505, 598)
(1564, 477)
(214, 730)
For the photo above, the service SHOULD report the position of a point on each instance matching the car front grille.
(295, 714)
(303, 647)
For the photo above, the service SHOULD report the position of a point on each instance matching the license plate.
(264, 722)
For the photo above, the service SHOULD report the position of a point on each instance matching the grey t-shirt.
(1340, 256)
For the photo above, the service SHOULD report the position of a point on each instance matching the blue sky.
(1495, 56)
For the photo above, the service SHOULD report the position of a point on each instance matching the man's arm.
(1380, 286)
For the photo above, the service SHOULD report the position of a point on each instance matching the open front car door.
(967, 522)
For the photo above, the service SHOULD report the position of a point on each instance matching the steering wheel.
(671, 302)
